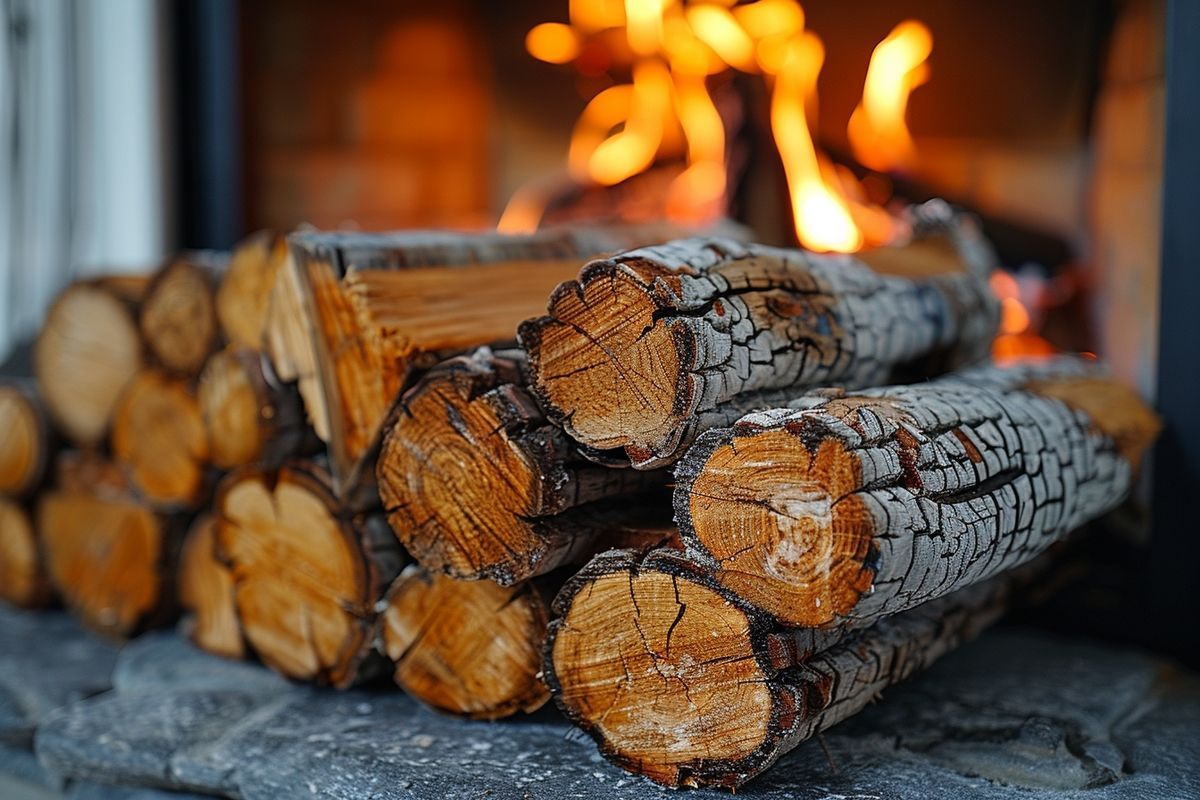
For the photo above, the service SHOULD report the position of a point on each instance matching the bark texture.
(383, 306)
(23, 581)
(849, 507)
(26, 440)
(206, 593)
(467, 647)
(477, 484)
(679, 680)
(652, 346)
(249, 414)
(244, 294)
(159, 440)
(178, 316)
(307, 576)
(88, 349)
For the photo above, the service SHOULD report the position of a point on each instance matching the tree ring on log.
(23, 446)
(467, 647)
(22, 579)
(230, 404)
(626, 351)
(206, 590)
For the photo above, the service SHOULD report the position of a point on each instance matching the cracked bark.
(177, 315)
(377, 309)
(249, 414)
(472, 648)
(87, 350)
(848, 507)
(680, 680)
(652, 346)
(307, 574)
(477, 484)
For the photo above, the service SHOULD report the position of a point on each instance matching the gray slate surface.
(1014, 715)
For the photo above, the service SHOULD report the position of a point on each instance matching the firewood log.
(288, 344)
(476, 483)
(88, 349)
(382, 306)
(467, 647)
(250, 415)
(244, 294)
(307, 575)
(865, 504)
(206, 593)
(111, 558)
(160, 441)
(178, 317)
(23, 581)
(26, 440)
(681, 681)
(652, 346)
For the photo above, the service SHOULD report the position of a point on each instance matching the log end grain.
(659, 667)
(105, 557)
(206, 593)
(23, 581)
(159, 439)
(305, 586)
(178, 316)
(243, 297)
(24, 445)
(230, 404)
(466, 647)
(87, 351)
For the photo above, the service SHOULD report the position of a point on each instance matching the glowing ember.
(670, 48)
(1015, 339)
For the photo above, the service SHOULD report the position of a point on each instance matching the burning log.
(86, 352)
(307, 576)
(206, 593)
(380, 309)
(249, 414)
(863, 505)
(681, 681)
(160, 441)
(652, 346)
(467, 647)
(178, 317)
(476, 483)
(23, 580)
(110, 558)
(243, 297)
(26, 446)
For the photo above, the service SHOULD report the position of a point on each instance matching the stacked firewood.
(715, 500)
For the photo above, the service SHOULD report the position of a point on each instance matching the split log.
(249, 414)
(23, 581)
(178, 317)
(86, 352)
(206, 593)
(111, 559)
(651, 347)
(288, 344)
(477, 484)
(383, 306)
(467, 647)
(681, 681)
(25, 439)
(307, 576)
(160, 441)
(867, 504)
(244, 294)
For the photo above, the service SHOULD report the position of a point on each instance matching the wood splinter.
(866, 504)
(307, 576)
(652, 346)
(477, 484)
(681, 681)
(467, 647)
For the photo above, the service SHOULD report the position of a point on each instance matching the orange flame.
(1015, 339)
(670, 48)
(878, 133)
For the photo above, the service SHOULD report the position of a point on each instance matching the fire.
(1015, 339)
(670, 49)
